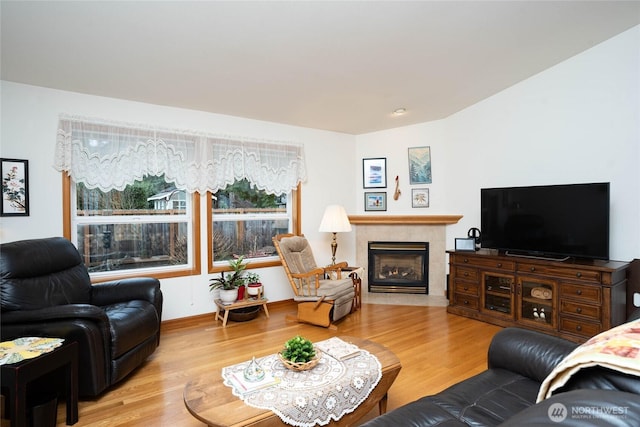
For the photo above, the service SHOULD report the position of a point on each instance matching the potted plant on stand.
(254, 286)
(229, 283)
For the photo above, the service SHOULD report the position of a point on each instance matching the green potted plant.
(299, 354)
(254, 286)
(229, 283)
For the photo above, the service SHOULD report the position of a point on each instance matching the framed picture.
(419, 165)
(465, 244)
(419, 197)
(15, 187)
(374, 173)
(375, 201)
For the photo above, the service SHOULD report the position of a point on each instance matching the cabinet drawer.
(467, 288)
(565, 273)
(467, 273)
(466, 301)
(579, 327)
(494, 264)
(591, 294)
(577, 309)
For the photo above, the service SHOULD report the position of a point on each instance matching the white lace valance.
(110, 156)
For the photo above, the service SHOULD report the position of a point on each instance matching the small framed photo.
(419, 165)
(375, 201)
(419, 197)
(465, 244)
(15, 187)
(374, 173)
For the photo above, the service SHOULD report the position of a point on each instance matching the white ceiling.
(341, 66)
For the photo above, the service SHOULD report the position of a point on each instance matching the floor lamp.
(334, 221)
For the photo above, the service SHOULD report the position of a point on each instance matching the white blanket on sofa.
(617, 349)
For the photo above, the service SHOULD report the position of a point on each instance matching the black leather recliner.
(45, 290)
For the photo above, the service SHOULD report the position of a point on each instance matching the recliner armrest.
(58, 312)
(529, 353)
(135, 288)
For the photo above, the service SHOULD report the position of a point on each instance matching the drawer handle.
(579, 292)
(578, 327)
(466, 288)
(465, 260)
(578, 310)
(465, 302)
(499, 265)
(532, 269)
(578, 274)
(466, 274)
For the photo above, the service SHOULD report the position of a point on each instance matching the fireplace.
(399, 267)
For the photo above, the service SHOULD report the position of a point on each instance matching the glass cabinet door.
(536, 301)
(497, 293)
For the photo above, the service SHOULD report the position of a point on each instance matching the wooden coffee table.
(210, 401)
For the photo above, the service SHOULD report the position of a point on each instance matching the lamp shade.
(335, 220)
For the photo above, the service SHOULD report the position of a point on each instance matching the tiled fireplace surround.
(406, 228)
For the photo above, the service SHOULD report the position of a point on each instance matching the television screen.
(547, 221)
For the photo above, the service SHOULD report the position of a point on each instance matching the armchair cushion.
(330, 289)
(298, 254)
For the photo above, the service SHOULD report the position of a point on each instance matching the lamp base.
(334, 247)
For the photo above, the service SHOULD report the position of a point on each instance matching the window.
(145, 227)
(132, 193)
(243, 220)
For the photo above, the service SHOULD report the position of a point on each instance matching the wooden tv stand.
(570, 299)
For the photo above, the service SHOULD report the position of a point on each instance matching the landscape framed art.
(374, 172)
(419, 165)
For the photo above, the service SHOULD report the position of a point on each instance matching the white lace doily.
(330, 390)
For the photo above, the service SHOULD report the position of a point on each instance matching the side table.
(16, 377)
(248, 302)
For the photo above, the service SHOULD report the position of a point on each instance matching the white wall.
(576, 122)
(29, 123)
(394, 144)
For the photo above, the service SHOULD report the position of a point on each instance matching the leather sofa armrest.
(135, 288)
(529, 353)
(58, 312)
(579, 408)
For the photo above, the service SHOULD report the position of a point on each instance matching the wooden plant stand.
(246, 302)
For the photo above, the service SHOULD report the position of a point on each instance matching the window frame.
(194, 269)
(296, 228)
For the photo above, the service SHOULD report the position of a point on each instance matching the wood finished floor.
(436, 350)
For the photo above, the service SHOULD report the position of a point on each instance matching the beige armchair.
(324, 296)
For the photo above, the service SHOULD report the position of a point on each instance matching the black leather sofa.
(505, 394)
(45, 291)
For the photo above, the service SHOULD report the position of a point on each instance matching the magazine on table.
(338, 349)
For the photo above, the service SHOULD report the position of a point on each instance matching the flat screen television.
(549, 221)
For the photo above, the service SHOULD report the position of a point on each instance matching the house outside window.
(147, 226)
